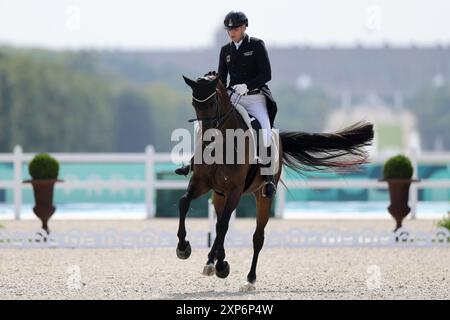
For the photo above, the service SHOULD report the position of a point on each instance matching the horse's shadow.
(246, 295)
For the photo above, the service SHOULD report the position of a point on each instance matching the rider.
(246, 60)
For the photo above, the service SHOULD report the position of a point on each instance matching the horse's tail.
(342, 150)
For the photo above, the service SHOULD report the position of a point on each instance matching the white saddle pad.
(248, 120)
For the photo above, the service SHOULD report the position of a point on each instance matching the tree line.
(63, 101)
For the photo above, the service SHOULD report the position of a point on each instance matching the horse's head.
(204, 96)
(210, 100)
(203, 89)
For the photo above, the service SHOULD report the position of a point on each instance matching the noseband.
(217, 119)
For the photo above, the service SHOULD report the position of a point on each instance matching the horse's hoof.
(402, 237)
(209, 269)
(186, 253)
(41, 236)
(225, 272)
(247, 287)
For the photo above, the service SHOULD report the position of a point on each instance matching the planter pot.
(399, 196)
(43, 196)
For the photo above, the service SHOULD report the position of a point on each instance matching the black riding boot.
(269, 188)
(184, 170)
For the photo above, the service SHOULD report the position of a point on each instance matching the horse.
(298, 150)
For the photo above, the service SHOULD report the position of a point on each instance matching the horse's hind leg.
(263, 205)
(195, 189)
(219, 204)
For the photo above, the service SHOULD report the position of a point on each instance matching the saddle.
(254, 125)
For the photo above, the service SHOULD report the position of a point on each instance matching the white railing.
(428, 158)
(151, 184)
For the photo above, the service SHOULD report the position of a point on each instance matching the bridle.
(218, 119)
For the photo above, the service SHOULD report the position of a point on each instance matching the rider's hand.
(211, 73)
(240, 89)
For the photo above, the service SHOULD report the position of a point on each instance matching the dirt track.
(295, 273)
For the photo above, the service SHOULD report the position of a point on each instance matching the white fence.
(151, 184)
(292, 238)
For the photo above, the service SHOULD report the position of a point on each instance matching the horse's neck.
(234, 120)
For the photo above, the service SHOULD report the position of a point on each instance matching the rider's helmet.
(235, 19)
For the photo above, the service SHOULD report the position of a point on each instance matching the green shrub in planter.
(43, 167)
(398, 167)
(444, 223)
(398, 172)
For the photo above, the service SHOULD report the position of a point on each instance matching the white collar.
(238, 44)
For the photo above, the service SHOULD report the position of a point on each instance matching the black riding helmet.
(235, 19)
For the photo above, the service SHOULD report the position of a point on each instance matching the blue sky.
(169, 24)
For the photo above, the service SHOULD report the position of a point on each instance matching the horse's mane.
(222, 90)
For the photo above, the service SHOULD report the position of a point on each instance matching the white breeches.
(255, 105)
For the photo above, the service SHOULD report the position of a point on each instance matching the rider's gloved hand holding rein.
(240, 89)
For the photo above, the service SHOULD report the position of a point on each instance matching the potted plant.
(44, 171)
(398, 172)
(445, 223)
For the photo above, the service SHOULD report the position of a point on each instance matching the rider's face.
(236, 34)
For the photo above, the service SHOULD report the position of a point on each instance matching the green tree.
(171, 109)
(432, 107)
(303, 110)
(50, 107)
(133, 127)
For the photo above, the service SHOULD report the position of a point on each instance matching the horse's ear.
(190, 83)
(216, 80)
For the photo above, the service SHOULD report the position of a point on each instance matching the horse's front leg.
(219, 203)
(222, 267)
(196, 188)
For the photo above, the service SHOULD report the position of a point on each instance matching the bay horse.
(298, 150)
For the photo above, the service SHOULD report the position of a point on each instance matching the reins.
(218, 119)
